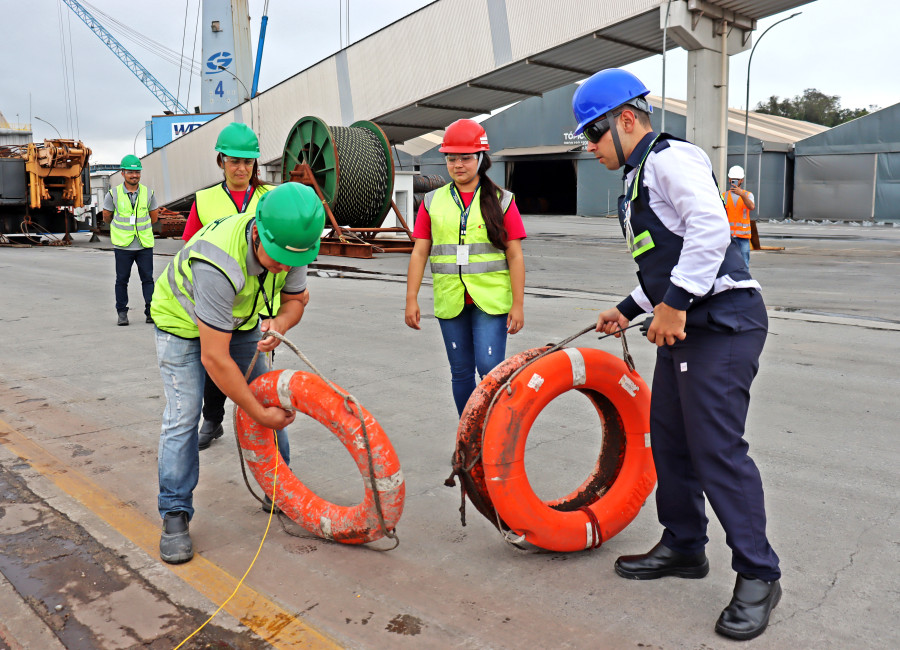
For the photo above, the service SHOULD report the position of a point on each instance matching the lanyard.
(248, 194)
(262, 288)
(463, 211)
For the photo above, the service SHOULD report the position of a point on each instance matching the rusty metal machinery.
(352, 170)
(40, 186)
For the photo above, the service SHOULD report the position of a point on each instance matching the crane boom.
(152, 83)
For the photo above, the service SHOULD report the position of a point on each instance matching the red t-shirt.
(512, 222)
(193, 224)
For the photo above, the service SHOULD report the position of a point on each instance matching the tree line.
(812, 106)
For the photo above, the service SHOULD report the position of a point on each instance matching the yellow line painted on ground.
(270, 621)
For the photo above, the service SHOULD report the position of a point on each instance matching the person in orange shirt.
(738, 204)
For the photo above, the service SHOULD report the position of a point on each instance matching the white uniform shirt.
(687, 202)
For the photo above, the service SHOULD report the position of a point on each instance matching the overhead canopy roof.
(449, 60)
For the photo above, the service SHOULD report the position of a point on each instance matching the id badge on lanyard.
(462, 250)
(133, 220)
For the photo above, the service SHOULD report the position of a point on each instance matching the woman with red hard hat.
(470, 233)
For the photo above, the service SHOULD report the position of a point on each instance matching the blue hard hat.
(605, 91)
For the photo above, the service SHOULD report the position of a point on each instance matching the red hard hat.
(464, 136)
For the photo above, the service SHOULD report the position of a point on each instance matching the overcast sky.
(839, 47)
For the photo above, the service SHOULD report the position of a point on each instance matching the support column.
(702, 28)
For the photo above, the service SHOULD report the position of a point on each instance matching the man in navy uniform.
(710, 324)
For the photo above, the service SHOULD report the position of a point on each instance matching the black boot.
(661, 561)
(123, 318)
(209, 432)
(268, 506)
(175, 544)
(747, 615)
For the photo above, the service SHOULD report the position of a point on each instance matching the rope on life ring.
(377, 515)
(494, 429)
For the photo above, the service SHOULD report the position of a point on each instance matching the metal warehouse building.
(537, 157)
(851, 172)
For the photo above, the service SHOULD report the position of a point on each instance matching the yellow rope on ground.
(265, 534)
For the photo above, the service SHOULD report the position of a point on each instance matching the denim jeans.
(144, 260)
(744, 244)
(474, 340)
(183, 374)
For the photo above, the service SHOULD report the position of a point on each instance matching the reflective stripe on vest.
(121, 230)
(485, 277)
(738, 215)
(224, 245)
(216, 202)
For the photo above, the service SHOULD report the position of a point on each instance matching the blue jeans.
(474, 340)
(744, 244)
(144, 260)
(183, 378)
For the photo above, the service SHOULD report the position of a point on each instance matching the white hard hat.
(736, 172)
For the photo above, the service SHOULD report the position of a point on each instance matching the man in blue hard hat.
(710, 324)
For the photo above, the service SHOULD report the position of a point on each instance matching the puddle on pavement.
(405, 624)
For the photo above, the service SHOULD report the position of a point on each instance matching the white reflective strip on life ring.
(325, 524)
(589, 534)
(579, 373)
(628, 384)
(386, 483)
(284, 389)
(647, 439)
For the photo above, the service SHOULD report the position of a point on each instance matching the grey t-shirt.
(109, 203)
(214, 294)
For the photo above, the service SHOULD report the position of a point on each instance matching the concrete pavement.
(88, 395)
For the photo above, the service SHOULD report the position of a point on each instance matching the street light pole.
(134, 144)
(223, 69)
(40, 119)
(747, 98)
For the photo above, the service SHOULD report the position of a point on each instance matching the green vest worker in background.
(206, 307)
(132, 208)
(237, 150)
(471, 232)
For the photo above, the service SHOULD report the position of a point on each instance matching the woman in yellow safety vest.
(237, 152)
(470, 231)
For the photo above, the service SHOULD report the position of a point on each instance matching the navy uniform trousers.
(701, 393)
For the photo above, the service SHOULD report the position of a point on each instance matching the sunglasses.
(596, 130)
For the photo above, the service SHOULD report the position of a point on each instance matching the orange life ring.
(491, 445)
(309, 394)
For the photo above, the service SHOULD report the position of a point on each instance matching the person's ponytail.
(491, 210)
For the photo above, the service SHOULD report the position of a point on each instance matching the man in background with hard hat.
(738, 204)
(709, 325)
(133, 211)
(206, 307)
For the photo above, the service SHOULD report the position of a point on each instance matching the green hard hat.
(131, 163)
(238, 140)
(290, 220)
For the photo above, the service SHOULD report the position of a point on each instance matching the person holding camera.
(738, 204)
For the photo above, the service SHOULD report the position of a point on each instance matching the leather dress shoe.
(747, 615)
(660, 562)
(175, 546)
(208, 432)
